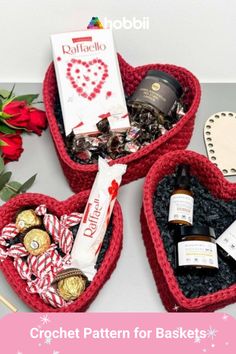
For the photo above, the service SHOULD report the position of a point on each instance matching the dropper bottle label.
(181, 200)
(181, 208)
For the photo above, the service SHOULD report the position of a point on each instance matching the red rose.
(13, 149)
(37, 121)
(19, 113)
(25, 117)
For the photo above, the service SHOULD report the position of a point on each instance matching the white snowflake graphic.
(55, 352)
(225, 317)
(211, 332)
(204, 350)
(213, 345)
(48, 340)
(19, 352)
(197, 340)
(45, 319)
(176, 308)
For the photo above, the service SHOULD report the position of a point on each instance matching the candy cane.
(50, 261)
(59, 228)
(51, 297)
(22, 268)
(41, 210)
(17, 250)
(3, 255)
(46, 291)
(72, 219)
(8, 232)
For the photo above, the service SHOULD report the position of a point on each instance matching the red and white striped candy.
(59, 232)
(66, 260)
(59, 228)
(41, 210)
(40, 284)
(71, 219)
(22, 268)
(3, 255)
(41, 265)
(17, 250)
(53, 226)
(50, 261)
(3, 242)
(8, 232)
(66, 240)
(46, 291)
(51, 297)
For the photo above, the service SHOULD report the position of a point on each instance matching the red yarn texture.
(75, 203)
(81, 177)
(211, 177)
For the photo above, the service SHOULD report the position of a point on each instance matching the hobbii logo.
(125, 23)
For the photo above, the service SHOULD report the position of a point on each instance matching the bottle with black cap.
(181, 200)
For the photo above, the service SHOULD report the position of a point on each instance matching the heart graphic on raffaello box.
(87, 78)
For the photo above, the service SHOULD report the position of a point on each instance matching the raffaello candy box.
(89, 81)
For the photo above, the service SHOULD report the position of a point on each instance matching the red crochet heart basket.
(211, 177)
(75, 203)
(81, 177)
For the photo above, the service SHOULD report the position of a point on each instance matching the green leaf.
(4, 179)
(7, 193)
(6, 129)
(10, 190)
(2, 143)
(4, 94)
(11, 94)
(25, 186)
(28, 98)
(2, 166)
(14, 186)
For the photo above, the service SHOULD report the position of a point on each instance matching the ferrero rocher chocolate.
(27, 219)
(71, 283)
(36, 241)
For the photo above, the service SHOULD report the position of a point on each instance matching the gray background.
(131, 287)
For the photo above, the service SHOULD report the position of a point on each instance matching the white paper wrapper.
(96, 217)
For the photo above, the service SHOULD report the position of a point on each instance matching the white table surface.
(131, 287)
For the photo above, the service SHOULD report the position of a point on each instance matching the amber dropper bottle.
(181, 200)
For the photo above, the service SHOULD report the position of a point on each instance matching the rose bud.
(37, 121)
(11, 146)
(18, 114)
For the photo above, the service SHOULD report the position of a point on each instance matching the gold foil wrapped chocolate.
(70, 283)
(27, 219)
(36, 241)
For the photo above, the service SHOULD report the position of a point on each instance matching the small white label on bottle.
(228, 240)
(197, 253)
(181, 208)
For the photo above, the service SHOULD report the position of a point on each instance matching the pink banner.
(104, 333)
